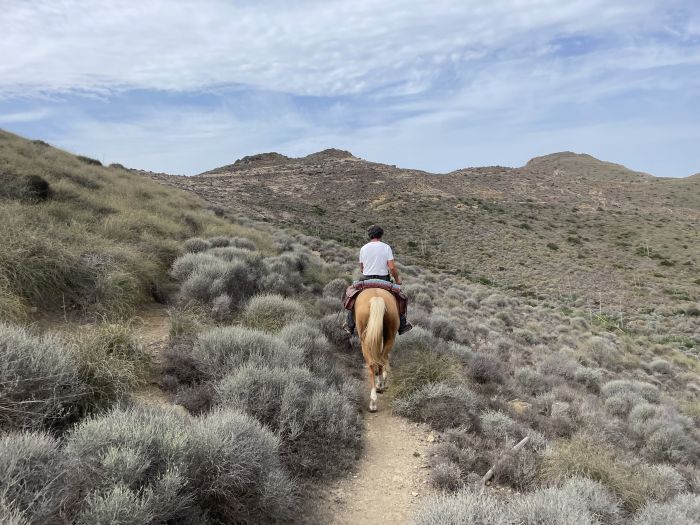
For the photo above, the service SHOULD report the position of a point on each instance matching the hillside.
(238, 398)
(566, 228)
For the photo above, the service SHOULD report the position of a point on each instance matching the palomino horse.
(377, 319)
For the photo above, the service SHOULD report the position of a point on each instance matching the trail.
(388, 481)
(152, 333)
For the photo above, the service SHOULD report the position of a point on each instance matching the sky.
(183, 87)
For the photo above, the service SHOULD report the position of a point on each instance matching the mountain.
(565, 228)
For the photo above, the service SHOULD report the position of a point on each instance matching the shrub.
(196, 245)
(40, 386)
(590, 377)
(272, 312)
(417, 369)
(120, 505)
(622, 386)
(234, 471)
(441, 405)
(484, 368)
(34, 472)
(660, 366)
(31, 188)
(186, 264)
(319, 428)
(222, 350)
(551, 506)
(684, 508)
(446, 476)
(335, 288)
(582, 457)
(331, 326)
(221, 307)
(10, 515)
(110, 362)
(464, 508)
(316, 351)
(443, 328)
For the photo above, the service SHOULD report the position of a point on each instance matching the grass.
(102, 240)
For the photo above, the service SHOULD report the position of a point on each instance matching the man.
(377, 262)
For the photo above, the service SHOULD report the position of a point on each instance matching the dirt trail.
(389, 479)
(152, 332)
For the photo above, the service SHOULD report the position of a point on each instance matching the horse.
(377, 321)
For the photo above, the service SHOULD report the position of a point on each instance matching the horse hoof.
(373, 407)
(380, 390)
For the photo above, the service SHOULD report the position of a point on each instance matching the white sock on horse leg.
(373, 394)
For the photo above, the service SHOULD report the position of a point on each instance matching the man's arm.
(394, 272)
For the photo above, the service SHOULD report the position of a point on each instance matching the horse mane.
(374, 334)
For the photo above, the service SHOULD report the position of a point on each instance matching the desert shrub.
(329, 305)
(272, 312)
(581, 457)
(646, 391)
(206, 277)
(558, 364)
(40, 385)
(9, 515)
(196, 245)
(34, 472)
(660, 366)
(316, 350)
(219, 242)
(184, 265)
(590, 377)
(602, 351)
(110, 362)
(464, 508)
(31, 188)
(234, 470)
(139, 458)
(418, 368)
(446, 476)
(242, 242)
(331, 326)
(185, 322)
(319, 429)
(441, 405)
(443, 328)
(222, 350)
(672, 443)
(551, 506)
(603, 506)
(532, 382)
(221, 307)
(335, 288)
(683, 508)
(484, 368)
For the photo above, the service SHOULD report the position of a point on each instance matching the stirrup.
(406, 328)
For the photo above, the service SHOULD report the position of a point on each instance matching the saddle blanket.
(356, 287)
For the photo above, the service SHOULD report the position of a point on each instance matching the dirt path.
(152, 332)
(389, 479)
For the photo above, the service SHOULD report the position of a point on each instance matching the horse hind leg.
(381, 379)
(373, 391)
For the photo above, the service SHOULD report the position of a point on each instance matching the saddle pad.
(377, 283)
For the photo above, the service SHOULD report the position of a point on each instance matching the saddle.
(352, 291)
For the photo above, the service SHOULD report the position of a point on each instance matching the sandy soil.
(388, 481)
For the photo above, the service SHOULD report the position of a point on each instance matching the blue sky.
(184, 87)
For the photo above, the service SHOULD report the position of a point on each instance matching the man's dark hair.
(375, 231)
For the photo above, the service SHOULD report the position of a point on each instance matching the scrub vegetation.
(261, 397)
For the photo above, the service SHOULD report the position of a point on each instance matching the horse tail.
(374, 333)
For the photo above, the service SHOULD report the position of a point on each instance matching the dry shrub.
(318, 427)
(464, 508)
(221, 350)
(34, 474)
(632, 484)
(441, 405)
(272, 312)
(40, 382)
(683, 508)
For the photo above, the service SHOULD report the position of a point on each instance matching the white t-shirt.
(374, 256)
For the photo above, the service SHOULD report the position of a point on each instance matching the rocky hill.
(566, 228)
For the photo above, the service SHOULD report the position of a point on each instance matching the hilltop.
(566, 228)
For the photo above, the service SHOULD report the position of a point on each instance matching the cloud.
(185, 86)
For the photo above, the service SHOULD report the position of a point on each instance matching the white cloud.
(32, 115)
(310, 47)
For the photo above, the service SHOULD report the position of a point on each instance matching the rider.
(376, 262)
